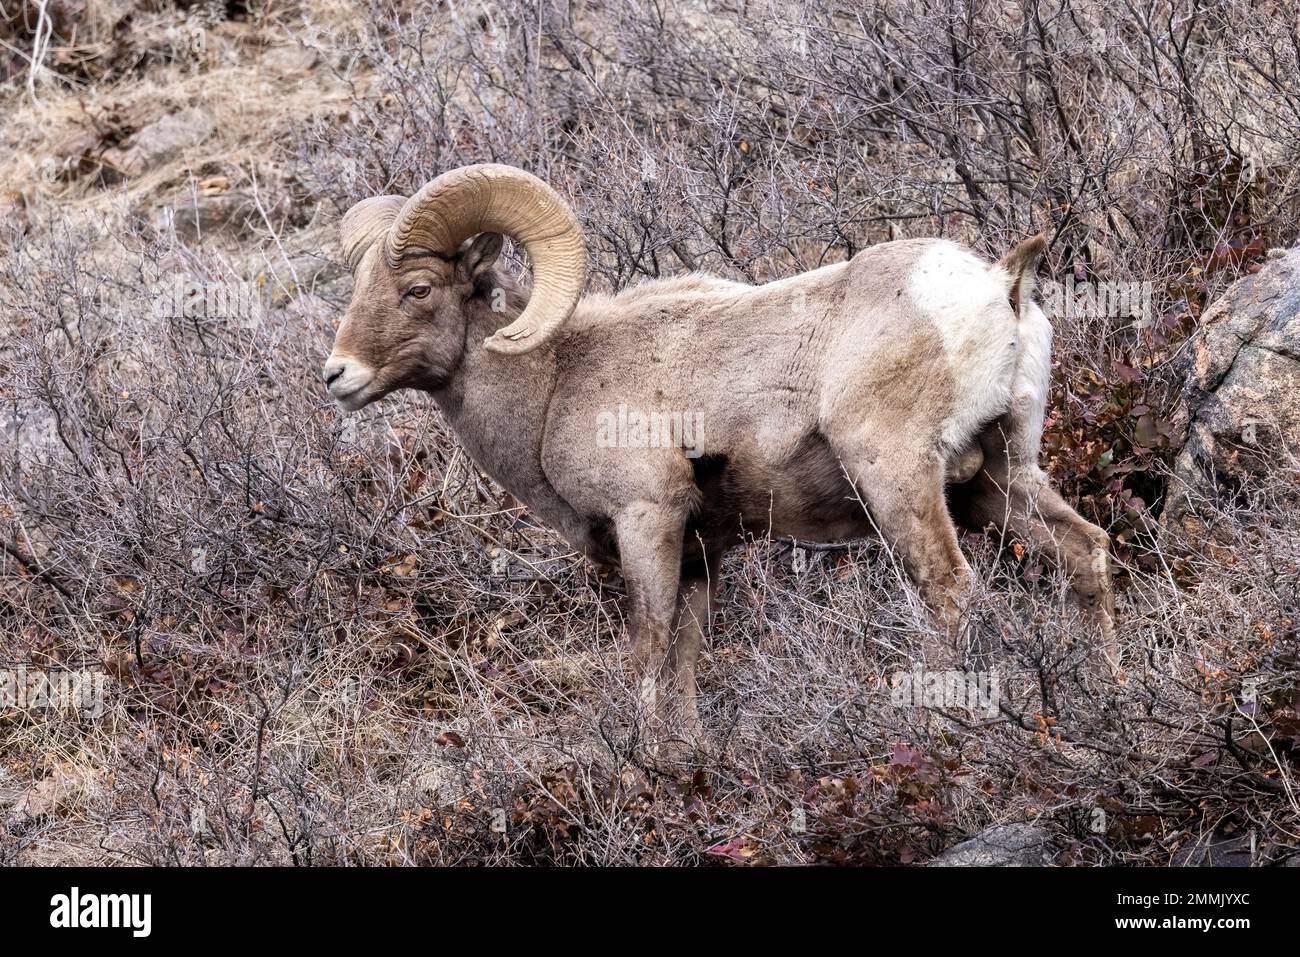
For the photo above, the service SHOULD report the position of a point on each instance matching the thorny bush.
(332, 640)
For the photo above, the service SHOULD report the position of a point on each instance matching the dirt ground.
(331, 639)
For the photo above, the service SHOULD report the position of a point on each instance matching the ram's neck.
(497, 404)
(484, 375)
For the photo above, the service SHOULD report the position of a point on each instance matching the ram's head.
(419, 261)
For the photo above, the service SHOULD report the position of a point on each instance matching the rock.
(162, 141)
(289, 58)
(316, 272)
(1241, 398)
(232, 213)
(72, 156)
(92, 144)
(1004, 845)
(1215, 850)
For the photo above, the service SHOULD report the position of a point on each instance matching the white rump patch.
(967, 300)
(1033, 379)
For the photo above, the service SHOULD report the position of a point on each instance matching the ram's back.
(916, 331)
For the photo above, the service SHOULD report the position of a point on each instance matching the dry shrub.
(332, 640)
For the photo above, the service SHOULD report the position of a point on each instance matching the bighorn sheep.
(875, 382)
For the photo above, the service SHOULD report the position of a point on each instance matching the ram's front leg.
(650, 552)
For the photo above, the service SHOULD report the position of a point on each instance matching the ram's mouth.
(356, 399)
(351, 383)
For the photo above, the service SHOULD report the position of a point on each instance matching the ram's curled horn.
(490, 197)
(366, 222)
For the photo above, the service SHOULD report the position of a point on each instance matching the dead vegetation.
(331, 640)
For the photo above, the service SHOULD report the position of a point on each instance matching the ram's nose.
(335, 368)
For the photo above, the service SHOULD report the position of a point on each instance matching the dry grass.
(332, 640)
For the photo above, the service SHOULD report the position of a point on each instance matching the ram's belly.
(796, 489)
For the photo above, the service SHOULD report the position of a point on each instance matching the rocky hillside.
(330, 639)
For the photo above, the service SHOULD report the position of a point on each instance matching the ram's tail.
(1034, 362)
(1021, 265)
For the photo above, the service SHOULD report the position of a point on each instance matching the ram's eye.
(419, 292)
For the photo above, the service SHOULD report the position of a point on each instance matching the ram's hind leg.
(905, 498)
(694, 611)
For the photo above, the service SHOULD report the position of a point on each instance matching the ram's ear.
(477, 255)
